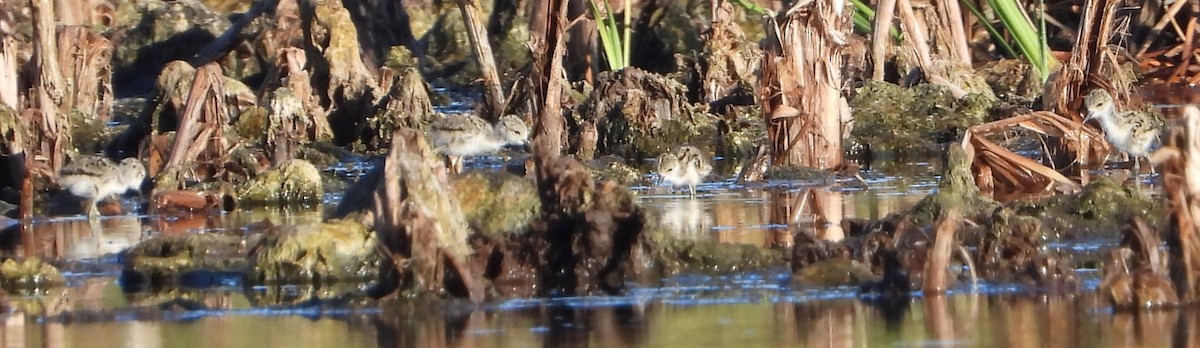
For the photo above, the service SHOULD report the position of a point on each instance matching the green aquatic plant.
(1031, 41)
(614, 37)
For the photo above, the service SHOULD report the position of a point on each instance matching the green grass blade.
(1028, 39)
(990, 29)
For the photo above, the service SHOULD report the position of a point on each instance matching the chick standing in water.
(686, 165)
(94, 178)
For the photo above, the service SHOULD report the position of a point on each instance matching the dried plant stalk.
(288, 72)
(880, 37)
(1064, 90)
(53, 128)
(546, 41)
(85, 58)
(201, 125)
(1002, 170)
(1179, 163)
(9, 91)
(188, 201)
(938, 262)
(416, 221)
(493, 95)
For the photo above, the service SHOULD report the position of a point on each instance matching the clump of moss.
(29, 275)
(614, 168)
(835, 272)
(957, 190)
(164, 260)
(680, 255)
(1101, 209)
(293, 182)
(893, 118)
(497, 203)
(338, 250)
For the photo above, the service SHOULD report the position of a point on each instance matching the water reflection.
(962, 320)
(743, 310)
(77, 238)
(704, 312)
(768, 217)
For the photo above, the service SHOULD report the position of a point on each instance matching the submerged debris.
(1136, 275)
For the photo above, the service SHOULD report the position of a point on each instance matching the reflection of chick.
(94, 178)
(686, 165)
(460, 135)
(686, 218)
(1132, 132)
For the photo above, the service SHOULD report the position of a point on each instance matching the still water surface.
(750, 309)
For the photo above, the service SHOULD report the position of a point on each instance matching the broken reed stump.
(1064, 89)
(85, 58)
(589, 235)
(176, 202)
(422, 228)
(998, 170)
(200, 137)
(338, 68)
(802, 102)
(728, 61)
(800, 85)
(937, 264)
(9, 89)
(1179, 163)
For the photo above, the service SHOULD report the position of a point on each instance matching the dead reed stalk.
(881, 37)
(938, 262)
(422, 228)
(53, 128)
(548, 24)
(493, 94)
(85, 58)
(1064, 91)
(1179, 163)
(1000, 170)
(9, 90)
(202, 122)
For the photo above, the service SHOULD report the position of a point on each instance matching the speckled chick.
(1132, 132)
(461, 135)
(684, 166)
(94, 178)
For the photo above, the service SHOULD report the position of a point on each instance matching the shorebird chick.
(686, 165)
(95, 178)
(1132, 132)
(460, 135)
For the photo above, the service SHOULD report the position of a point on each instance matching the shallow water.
(750, 309)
